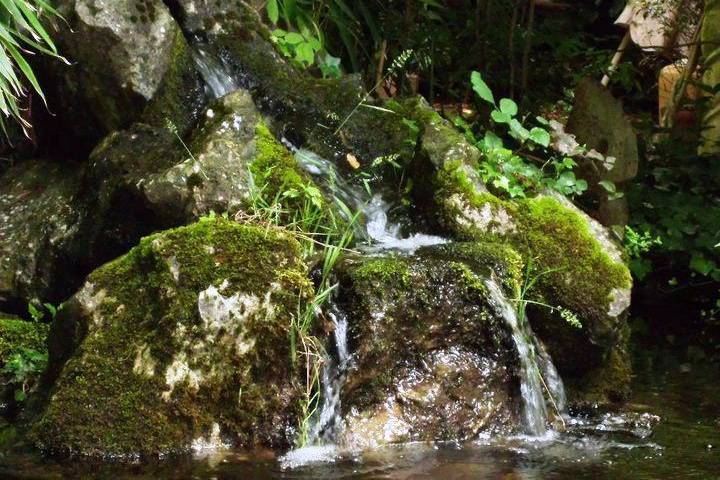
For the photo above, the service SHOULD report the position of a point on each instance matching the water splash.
(218, 80)
(537, 371)
(379, 232)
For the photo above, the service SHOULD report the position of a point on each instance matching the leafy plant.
(38, 314)
(22, 371)
(21, 29)
(531, 165)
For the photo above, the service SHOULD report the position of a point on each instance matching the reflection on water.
(670, 430)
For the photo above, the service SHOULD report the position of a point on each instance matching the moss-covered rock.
(577, 263)
(184, 340)
(431, 360)
(130, 61)
(38, 223)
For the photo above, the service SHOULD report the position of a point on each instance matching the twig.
(528, 47)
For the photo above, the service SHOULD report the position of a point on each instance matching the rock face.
(181, 343)
(573, 258)
(38, 222)
(430, 359)
(130, 60)
(177, 185)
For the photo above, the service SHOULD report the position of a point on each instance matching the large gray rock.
(129, 60)
(183, 343)
(38, 223)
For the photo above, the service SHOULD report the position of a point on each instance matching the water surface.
(669, 430)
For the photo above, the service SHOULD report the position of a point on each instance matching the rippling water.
(669, 430)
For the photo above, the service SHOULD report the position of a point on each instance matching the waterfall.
(218, 81)
(537, 371)
(379, 232)
(333, 378)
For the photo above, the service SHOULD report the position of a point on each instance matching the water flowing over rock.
(170, 346)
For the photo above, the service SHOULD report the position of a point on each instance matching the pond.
(669, 430)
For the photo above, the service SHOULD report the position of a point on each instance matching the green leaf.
(518, 131)
(272, 11)
(492, 141)
(540, 136)
(294, 38)
(481, 88)
(500, 117)
(508, 107)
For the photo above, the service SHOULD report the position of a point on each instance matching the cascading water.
(379, 232)
(218, 81)
(333, 377)
(535, 365)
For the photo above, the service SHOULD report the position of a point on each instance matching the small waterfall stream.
(333, 378)
(537, 372)
(218, 81)
(379, 232)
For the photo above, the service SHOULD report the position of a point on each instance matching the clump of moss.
(17, 335)
(144, 368)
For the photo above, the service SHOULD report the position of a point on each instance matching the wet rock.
(576, 262)
(152, 181)
(430, 359)
(320, 114)
(38, 223)
(130, 61)
(181, 343)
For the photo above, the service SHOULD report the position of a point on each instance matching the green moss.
(275, 165)
(146, 318)
(574, 269)
(388, 270)
(16, 335)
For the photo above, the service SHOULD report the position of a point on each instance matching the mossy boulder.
(431, 359)
(130, 61)
(577, 264)
(146, 179)
(182, 342)
(38, 224)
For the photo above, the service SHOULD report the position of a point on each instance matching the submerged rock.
(431, 361)
(129, 61)
(38, 223)
(181, 342)
(576, 263)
